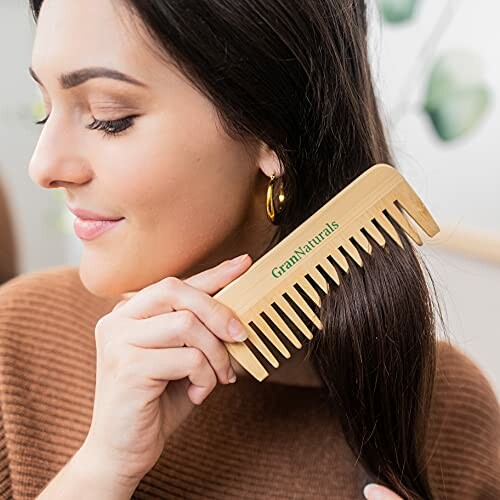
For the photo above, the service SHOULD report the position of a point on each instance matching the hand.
(159, 353)
(374, 491)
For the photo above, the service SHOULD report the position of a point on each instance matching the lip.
(87, 229)
(82, 213)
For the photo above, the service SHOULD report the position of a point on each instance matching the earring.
(271, 211)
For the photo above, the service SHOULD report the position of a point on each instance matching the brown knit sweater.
(247, 440)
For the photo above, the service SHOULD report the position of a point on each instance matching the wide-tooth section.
(246, 358)
(398, 216)
(339, 258)
(352, 251)
(284, 328)
(318, 279)
(257, 342)
(363, 241)
(388, 227)
(330, 269)
(309, 289)
(304, 306)
(411, 202)
(294, 317)
(269, 333)
(373, 231)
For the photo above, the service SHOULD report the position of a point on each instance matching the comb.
(308, 254)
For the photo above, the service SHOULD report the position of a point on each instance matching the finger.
(174, 294)
(377, 492)
(178, 329)
(152, 300)
(177, 363)
(214, 279)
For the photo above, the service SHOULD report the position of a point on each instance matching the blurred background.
(435, 68)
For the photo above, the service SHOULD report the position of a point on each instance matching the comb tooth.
(401, 220)
(412, 203)
(330, 270)
(319, 279)
(363, 241)
(389, 228)
(294, 317)
(304, 306)
(257, 342)
(309, 289)
(374, 233)
(246, 358)
(340, 259)
(284, 328)
(353, 252)
(269, 333)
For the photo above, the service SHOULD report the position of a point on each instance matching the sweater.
(247, 440)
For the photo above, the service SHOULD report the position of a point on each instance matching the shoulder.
(463, 444)
(49, 294)
(47, 373)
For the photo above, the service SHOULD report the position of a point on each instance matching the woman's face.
(190, 195)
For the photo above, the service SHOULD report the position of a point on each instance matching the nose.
(56, 161)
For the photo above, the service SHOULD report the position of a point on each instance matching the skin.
(191, 195)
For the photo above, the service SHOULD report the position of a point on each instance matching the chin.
(99, 283)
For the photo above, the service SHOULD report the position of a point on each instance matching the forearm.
(83, 478)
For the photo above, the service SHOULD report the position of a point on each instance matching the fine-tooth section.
(294, 317)
(257, 342)
(372, 230)
(396, 214)
(304, 306)
(283, 327)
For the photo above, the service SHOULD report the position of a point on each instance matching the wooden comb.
(316, 243)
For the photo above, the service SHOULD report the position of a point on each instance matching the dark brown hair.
(295, 75)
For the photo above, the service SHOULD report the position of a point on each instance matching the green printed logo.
(303, 249)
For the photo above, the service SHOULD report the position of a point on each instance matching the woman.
(219, 95)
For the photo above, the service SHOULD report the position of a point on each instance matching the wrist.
(101, 476)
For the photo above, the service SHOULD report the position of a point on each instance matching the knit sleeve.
(5, 481)
(463, 444)
(5, 486)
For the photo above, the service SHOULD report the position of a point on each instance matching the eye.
(112, 127)
(109, 127)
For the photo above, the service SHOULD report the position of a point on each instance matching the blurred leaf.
(38, 109)
(456, 96)
(397, 11)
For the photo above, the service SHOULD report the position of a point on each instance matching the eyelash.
(109, 127)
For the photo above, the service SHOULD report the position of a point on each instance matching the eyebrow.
(75, 78)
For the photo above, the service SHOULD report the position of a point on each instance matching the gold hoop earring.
(271, 211)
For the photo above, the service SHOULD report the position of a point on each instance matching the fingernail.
(239, 259)
(237, 330)
(372, 492)
(231, 376)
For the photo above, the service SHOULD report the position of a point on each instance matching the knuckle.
(170, 283)
(186, 319)
(197, 358)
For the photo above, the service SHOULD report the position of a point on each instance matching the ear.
(268, 161)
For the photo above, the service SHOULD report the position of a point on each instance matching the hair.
(295, 75)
